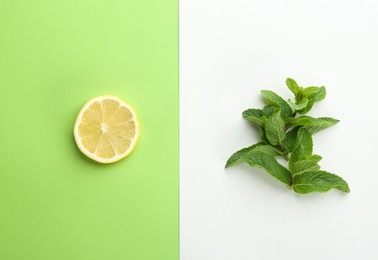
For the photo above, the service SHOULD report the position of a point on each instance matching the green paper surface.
(54, 202)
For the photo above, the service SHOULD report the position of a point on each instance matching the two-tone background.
(189, 69)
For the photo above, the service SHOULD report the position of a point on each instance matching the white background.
(229, 51)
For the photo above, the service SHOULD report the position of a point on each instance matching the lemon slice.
(106, 129)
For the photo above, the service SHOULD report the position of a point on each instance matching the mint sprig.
(286, 131)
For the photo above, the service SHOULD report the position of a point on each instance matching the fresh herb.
(286, 131)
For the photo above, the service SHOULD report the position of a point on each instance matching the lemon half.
(106, 129)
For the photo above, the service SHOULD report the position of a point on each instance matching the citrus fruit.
(106, 129)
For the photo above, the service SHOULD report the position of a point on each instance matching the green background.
(54, 202)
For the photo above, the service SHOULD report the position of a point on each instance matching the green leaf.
(318, 181)
(303, 146)
(292, 85)
(316, 158)
(300, 105)
(313, 94)
(313, 125)
(278, 101)
(290, 139)
(317, 128)
(275, 128)
(303, 166)
(263, 135)
(254, 115)
(268, 149)
(270, 164)
(269, 110)
(316, 93)
(238, 157)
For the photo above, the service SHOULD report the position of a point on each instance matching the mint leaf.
(326, 122)
(300, 105)
(263, 135)
(275, 128)
(316, 158)
(316, 93)
(303, 166)
(278, 101)
(238, 157)
(309, 163)
(254, 115)
(303, 146)
(318, 181)
(292, 85)
(290, 139)
(270, 164)
(313, 94)
(269, 110)
(268, 149)
(313, 125)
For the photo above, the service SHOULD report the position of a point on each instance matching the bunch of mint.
(286, 131)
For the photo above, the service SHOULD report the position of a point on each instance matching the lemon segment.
(106, 129)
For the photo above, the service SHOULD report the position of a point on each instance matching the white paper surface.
(229, 51)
